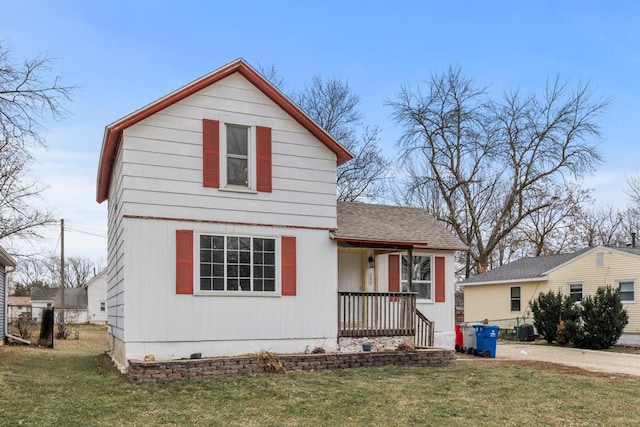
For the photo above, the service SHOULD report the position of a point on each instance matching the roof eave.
(114, 131)
(506, 281)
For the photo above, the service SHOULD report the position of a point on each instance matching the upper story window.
(627, 290)
(600, 259)
(238, 163)
(575, 291)
(103, 306)
(515, 298)
(236, 156)
(421, 275)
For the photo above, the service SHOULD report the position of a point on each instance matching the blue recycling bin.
(486, 339)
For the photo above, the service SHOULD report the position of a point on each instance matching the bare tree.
(79, 270)
(28, 95)
(490, 163)
(334, 106)
(603, 226)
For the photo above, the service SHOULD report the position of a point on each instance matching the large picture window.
(237, 264)
(421, 276)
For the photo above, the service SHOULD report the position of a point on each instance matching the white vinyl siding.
(3, 305)
(162, 163)
(228, 324)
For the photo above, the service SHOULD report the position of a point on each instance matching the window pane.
(258, 244)
(232, 271)
(269, 245)
(232, 257)
(423, 290)
(421, 268)
(237, 138)
(257, 272)
(237, 171)
(245, 284)
(218, 284)
(245, 257)
(232, 242)
(245, 271)
(269, 259)
(515, 292)
(269, 272)
(205, 255)
(257, 258)
(205, 270)
(205, 284)
(232, 284)
(515, 305)
(205, 241)
(269, 285)
(245, 243)
(218, 257)
(218, 270)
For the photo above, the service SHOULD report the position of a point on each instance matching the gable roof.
(113, 132)
(392, 225)
(535, 268)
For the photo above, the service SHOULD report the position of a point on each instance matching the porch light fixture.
(372, 262)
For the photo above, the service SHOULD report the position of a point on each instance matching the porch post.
(410, 265)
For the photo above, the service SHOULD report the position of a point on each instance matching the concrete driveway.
(591, 360)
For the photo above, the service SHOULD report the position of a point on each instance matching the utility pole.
(62, 325)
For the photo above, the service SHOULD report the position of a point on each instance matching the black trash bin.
(526, 332)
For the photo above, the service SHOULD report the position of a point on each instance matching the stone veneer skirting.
(140, 371)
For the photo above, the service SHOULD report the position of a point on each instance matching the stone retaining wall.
(140, 371)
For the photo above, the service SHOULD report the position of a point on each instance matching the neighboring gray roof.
(402, 226)
(524, 268)
(75, 298)
(536, 267)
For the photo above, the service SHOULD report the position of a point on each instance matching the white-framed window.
(575, 291)
(600, 259)
(103, 306)
(627, 290)
(515, 298)
(421, 276)
(238, 164)
(236, 264)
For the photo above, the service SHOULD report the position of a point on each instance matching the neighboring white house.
(97, 298)
(75, 303)
(7, 264)
(17, 306)
(225, 236)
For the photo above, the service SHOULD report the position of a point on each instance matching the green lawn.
(74, 384)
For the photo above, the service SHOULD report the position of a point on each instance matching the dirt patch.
(553, 367)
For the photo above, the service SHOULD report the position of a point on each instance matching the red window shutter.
(288, 265)
(263, 159)
(439, 278)
(211, 153)
(184, 261)
(394, 273)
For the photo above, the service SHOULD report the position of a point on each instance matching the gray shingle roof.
(534, 267)
(524, 268)
(395, 224)
(75, 298)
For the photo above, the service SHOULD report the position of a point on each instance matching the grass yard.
(75, 384)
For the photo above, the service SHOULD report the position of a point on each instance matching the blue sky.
(125, 54)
